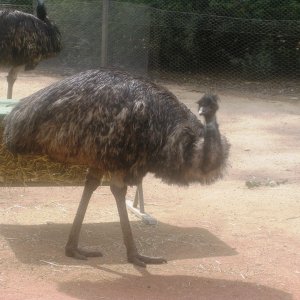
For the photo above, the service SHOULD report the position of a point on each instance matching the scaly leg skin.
(11, 78)
(82, 254)
(92, 182)
(132, 253)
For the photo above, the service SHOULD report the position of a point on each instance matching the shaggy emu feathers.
(114, 122)
(25, 39)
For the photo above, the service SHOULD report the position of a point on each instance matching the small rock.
(272, 183)
(282, 181)
(252, 183)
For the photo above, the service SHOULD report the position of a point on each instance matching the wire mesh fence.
(175, 40)
(23, 5)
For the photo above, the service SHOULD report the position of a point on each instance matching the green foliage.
(17, 2)
(258, 64)
(244, 36)
(258, 9)
(244, 42)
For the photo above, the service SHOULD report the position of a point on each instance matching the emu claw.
(81, 254)
(142, 261)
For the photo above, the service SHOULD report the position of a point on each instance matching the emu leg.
(132, 254)
(11, 78)
(92, 182)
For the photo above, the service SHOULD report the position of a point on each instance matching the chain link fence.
(208, 42)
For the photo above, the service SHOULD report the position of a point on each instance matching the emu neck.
(210, 120)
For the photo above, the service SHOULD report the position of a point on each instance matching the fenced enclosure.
(249, 40)
(222, 241)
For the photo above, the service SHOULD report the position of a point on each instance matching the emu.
(123, 125)
(25, 40)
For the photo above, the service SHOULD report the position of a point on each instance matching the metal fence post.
(104, 38)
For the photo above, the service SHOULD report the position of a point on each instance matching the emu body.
(25, 40)
(115, 123)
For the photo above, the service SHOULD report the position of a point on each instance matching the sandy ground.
(224, 241)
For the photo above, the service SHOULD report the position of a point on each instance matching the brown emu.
(25, 40)
(113, 122)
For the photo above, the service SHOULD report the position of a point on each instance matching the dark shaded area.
(206, 43)
(34, 243)
(169, 287)
(254, 39)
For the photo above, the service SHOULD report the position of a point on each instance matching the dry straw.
(17, 170)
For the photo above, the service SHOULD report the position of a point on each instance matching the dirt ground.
(225, 241)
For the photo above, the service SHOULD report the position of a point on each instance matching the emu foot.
(142, 261)
(81, 254)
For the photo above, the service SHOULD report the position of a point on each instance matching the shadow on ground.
(34, 243)
(173, 287)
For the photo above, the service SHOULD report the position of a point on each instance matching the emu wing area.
(104, 119)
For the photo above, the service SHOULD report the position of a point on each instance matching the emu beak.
(201, 111)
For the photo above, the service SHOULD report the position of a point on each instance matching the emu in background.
(25, 40)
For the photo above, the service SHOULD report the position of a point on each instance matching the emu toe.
(81, 254)
(142, 261)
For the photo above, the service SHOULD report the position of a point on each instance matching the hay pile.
(37, 170)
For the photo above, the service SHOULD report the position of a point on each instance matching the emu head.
(41, 10)
(210, 151)
(208, 106)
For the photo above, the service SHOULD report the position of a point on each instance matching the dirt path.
(224, 241)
